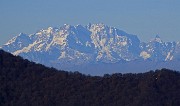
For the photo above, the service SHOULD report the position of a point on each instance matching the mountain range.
(94, 49)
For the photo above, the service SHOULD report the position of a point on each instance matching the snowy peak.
(18, 42)
(91, 44)
(158, 39)
(157, 50)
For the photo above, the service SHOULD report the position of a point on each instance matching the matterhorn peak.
(156, 39)
(157, 36)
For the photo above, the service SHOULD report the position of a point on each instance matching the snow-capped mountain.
(157, 50)
(73, 47)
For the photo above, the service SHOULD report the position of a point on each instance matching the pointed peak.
(47, 29)
(50, 28)
(89, 24)
(67, 26)
(157, 36)
(79, 25)
(20, 34)
(157, 39)
(100, 24)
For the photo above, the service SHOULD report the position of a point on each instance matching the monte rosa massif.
(94, 49)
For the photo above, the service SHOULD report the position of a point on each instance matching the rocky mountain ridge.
(75, 46)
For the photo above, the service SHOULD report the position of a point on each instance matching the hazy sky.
(145, 18)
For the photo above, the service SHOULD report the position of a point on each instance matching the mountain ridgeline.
(25, 83)
(96, 47)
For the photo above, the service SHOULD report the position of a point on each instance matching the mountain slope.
(84, 47)
(27, 83)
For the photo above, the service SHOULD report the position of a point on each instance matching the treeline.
(24, 83)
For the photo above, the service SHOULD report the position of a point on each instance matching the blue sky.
(145, 18)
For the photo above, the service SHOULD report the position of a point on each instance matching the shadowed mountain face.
(84, 48)
(25, 83)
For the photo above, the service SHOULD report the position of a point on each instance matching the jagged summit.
(158, 39)
(69, 46)
(157, 36)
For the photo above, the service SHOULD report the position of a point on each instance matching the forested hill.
(24, 83)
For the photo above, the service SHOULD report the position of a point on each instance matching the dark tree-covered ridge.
(24, 83)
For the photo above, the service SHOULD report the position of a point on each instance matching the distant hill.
(25, 83)
(84, 48)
